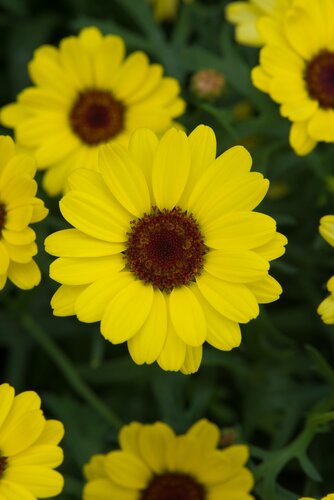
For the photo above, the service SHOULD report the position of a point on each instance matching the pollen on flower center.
(3, 465)
(96, 117)
(319, 77)
(173, 486)
(165, 248)
(3, 213)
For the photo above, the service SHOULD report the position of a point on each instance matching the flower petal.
(187, 316)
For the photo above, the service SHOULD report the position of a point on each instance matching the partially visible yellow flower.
(155, 464)
(28, 448)
(165, 10)
(87, 93)
(165, 249)
(18, 208)
(327, 497)
(326, 308)
(249, 15)
(297, 71)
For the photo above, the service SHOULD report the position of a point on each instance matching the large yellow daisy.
(297, 71)
(251, 15)
(28, 448)
(326, 308)
(166, 251)
(155, 464)
(86, 94)
(18, 208)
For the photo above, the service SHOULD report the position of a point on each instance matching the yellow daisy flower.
(296, 70)
(166, 231)
(28, 448)
(327, 497)
(86, 94)
(155, 464)
(18, 208)
(249, 16)
(165, 10)
(326, 308)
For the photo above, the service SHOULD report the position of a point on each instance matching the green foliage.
(277, 389)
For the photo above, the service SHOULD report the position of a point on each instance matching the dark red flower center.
(319, 77)
(173, 486)
(3, 465)
(97, 117)
(165, 248)
(3, 214)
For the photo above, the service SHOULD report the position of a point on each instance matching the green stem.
(69, 372)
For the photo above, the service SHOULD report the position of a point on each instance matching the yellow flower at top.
(249, 17)
(29, 448)
(155, 464)
(165, 249)
(87, 93)
(326, 308)
(165, 10)
(18, 208)
(327, 497)
(297, 71)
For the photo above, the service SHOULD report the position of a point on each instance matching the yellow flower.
(165, 10)
(86, 94)
(249, 17)
(155, 464)
(166, 251)
(28, 448)
(327, 497)
(18, 208)
(326, 308)
(296, 70)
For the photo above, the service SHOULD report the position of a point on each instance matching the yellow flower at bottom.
(18, 208)
(326, 308)
(155, 464)
(166, 250)
(327, 497)
(28, 448)
(88, 93)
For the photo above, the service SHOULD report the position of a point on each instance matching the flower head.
(166, 10)
(250, 15)
(166, 251)
(87, 93)
(155, 464)
(297, 71)
(28, 448)
(208, 84)
(326, 308)
(18, 208)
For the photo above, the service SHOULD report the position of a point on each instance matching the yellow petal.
(22, 433)
(320, 126)
(90, 38)
(326, 228)
(127, 470)
(40, 481)
(173, 353)
(232, 300)
(64, 299)
(142, 147)
(7, 394)
(131, 75)
(124, 179)
(117, 324)
(42, 455)
(52, 433)
(147, 344)
(24, 237)
(76, 62)
(274, 248)
(187, 316)
(18, 218)
(266, 290)
(107, 60)
(4, 258)
(74, 243)
(236, 266)
(300, 140)
(72, 271)
(170, 169)
(192, 360)
(11, 490)
(92, 303)
(7, 151)
(20, 253)
(206, 433)
(153, 443)
(24, 276)
(100, 489)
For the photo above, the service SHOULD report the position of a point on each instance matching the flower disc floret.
(151, 465)
(87, 93)
(29, 450)
(19, 207)
(167, 230)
